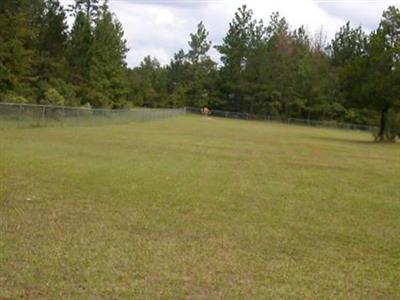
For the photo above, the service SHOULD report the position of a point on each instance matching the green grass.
(197, 208)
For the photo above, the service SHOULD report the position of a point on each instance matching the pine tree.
(178, 82)
(201, 69)
(347, 55)
(152, 83)
(381, 69)
(89, 7)
(235, 51)
(80, 56)
(199, 45)
(18, 30)
(107, 74)
(348, 45)
(51, 65)
(53, 34)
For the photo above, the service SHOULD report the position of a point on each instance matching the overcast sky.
(162, 27)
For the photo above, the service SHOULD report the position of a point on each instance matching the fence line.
(31, 115)
(34, 115)
(290, 121)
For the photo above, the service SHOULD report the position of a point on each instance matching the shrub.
(14, 98)
(53, 97)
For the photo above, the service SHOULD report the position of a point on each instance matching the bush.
(14, 98)
(296, 107)
(66, 90)
(53, 97)
(338, 111)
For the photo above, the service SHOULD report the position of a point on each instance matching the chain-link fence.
(293, 121)
(30, 115)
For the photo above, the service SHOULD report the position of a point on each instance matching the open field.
(196, 208)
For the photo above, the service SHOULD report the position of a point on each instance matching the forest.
(266, 68)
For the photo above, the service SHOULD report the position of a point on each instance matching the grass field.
(197, 208)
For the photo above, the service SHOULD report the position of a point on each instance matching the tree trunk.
(383, 123)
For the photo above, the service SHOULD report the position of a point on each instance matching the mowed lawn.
(198, 208)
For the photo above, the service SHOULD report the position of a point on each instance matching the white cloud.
(162, 27)
(365, 13)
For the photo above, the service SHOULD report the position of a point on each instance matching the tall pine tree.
(51, 66)
(18, 31)
(107, 73)
(201, 69)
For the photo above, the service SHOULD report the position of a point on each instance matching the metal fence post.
(20, 115)
(43, 115)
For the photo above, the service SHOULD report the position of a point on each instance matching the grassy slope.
(198, 208)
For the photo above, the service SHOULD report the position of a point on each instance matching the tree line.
(266, 68)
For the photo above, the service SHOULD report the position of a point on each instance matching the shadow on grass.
(352, 141)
